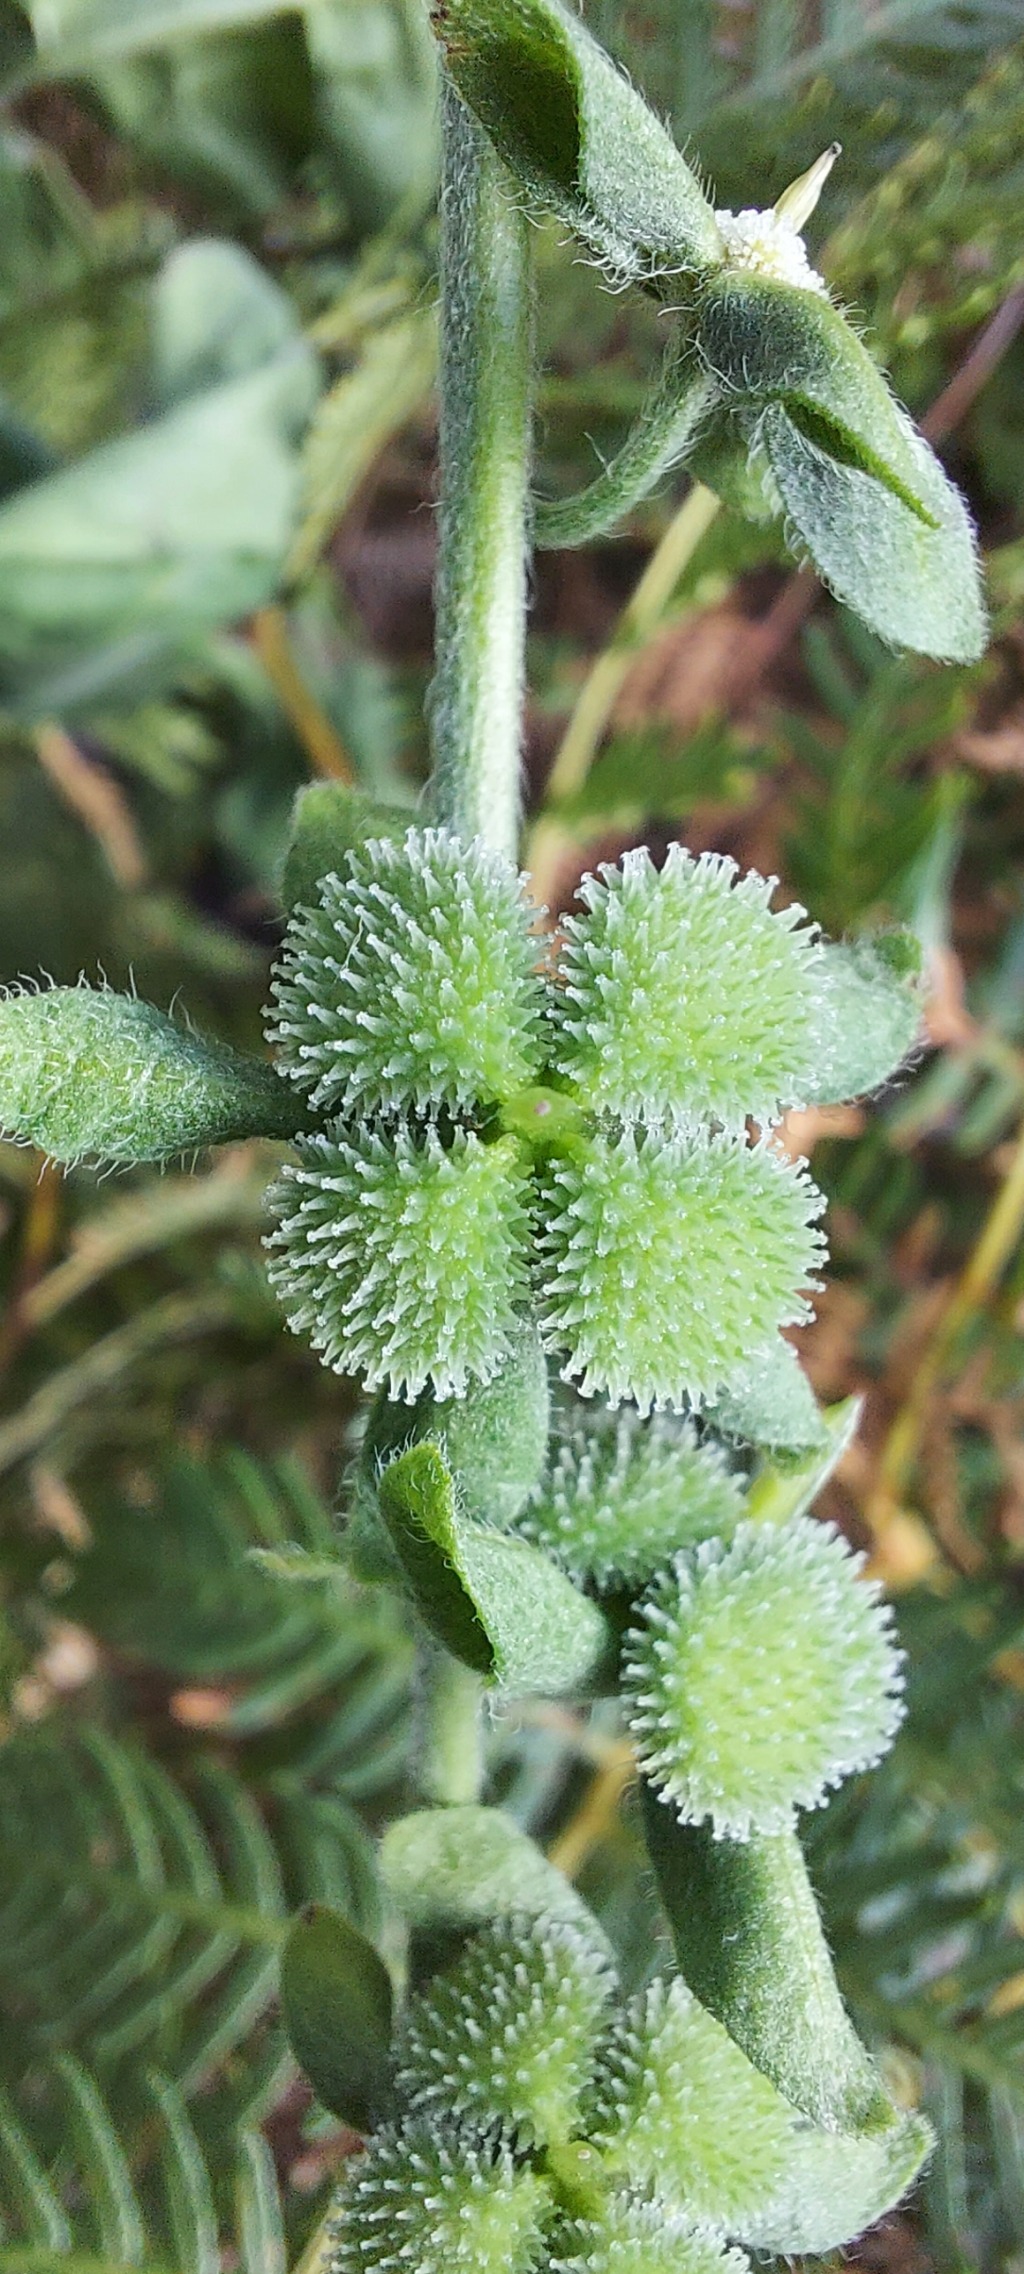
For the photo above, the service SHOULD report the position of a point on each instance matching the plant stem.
(450, 1748)
(486, 372)
(323, 746)
(668, 419)
(552, 840)
(974, 1288)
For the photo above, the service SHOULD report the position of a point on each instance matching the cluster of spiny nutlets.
(563, 1135)
(530, 2117)
(540, 2119)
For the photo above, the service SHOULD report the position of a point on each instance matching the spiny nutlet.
(411, 983)
(508, 2035)
(759, 1675)
(679, 2110)
(425, 2200)
(622, 1495)
(684, 996)
(637, 2236)
(401, 1260)
(665, 1260)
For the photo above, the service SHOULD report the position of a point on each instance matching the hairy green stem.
(486, 375)
(668, 420)
(450, 1748)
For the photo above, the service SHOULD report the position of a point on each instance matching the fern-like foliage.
(147, 1886)
(226, 1574)
(922, 1878)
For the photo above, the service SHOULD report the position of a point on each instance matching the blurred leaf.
(111, 567)
(338, 2003)
(217, 316)
(376, 70)
(353, 423)
(73, 36)
(229, 115)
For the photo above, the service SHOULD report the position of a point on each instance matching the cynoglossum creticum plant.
(765, 388)
(519, 2112)
(501, 1160)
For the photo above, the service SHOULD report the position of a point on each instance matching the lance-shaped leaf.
(337, 1999)
(493, 1440)
(914, 584)
(577, 134)
(497, 1602)
(773, 342)
(749, 1939)
(330, 820)
(86, 1073)
(860, 487)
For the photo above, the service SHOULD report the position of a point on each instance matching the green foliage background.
(216, 358)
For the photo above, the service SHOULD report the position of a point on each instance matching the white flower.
(769, 243)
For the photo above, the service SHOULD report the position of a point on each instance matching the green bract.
(684, 996)
(622, 1495)
(400, 1259)
(664, 1260)
(409, 984)
(578, 136)
(866, 1026)
(495, 1601)
(88, 1074)
(761, 1673)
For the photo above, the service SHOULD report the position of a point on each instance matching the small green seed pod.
(678, 2109)
(508, 2035)
(761, 1673)
(428, 2201)
(622, 1495)
(635, 2236)
(868, 1016)
(88, 1074)
(686, 997)
(664, 1260)
(402, 1261)
(411, 982)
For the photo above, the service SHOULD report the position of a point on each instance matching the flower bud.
(88, 1074)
